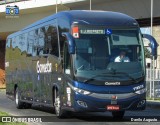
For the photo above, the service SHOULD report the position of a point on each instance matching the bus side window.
(35, 43)
(41, 41)
(51, 43)
(48, 37)
(30, 41)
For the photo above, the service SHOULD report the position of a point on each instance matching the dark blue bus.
(68, 61)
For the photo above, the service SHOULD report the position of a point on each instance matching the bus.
(67, 62)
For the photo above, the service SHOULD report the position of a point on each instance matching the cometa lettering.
(112, 83)
(44, 68)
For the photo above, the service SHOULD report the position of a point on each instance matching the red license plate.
(113, 107)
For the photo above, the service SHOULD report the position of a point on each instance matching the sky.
(146, 30)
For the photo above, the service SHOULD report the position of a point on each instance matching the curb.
(153, 104)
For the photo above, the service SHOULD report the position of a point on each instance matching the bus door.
(68, 74)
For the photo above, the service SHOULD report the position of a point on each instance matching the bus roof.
(107, 18)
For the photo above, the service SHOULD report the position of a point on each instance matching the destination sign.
(91, 31)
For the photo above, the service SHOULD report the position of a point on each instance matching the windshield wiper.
(115, 72)
(111, 74)
(133, 79)
(102, 74)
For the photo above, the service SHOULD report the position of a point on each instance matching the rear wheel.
(118, 114)
(18, 102)
(57, 104)
(27, 105)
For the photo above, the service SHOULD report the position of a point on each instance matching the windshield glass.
(102, 50)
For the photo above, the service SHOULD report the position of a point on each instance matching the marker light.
(141, 91)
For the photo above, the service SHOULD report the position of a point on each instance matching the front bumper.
(98, 103)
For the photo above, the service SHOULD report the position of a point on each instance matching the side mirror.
(70, 42)
(153, 44)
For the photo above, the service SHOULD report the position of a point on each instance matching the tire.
(58, 105)
(27, 105)
(18, 102)
(118, 115)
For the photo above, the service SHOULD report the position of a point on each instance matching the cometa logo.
(112, 83)
(44, 68)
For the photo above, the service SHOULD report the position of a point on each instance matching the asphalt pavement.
(153, 104)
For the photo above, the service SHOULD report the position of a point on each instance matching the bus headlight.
(141, 91)
(81, 91)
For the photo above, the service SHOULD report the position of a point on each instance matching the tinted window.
(51, 43)
(48, 40)
(30, 42)
(42, 41)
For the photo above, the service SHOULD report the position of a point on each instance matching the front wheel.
(57, 104)
(118, 114)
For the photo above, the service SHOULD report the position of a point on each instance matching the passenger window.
(13, 42)
(21, 42)
(51, 41)
(48, 38)
(30, 42)
(41, 41)
(35, 43)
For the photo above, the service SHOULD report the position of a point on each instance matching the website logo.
(6, 119)
(12, 11)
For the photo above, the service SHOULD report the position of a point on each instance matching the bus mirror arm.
(70, 41)
(153, 44)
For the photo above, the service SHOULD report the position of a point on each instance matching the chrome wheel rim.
(57, 105)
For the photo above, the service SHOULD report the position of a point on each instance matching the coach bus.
(67, 61)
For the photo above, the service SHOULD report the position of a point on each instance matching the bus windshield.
(108, 51)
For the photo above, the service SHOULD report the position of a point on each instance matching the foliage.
(147, 53)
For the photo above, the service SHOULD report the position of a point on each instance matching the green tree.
(147, 53)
